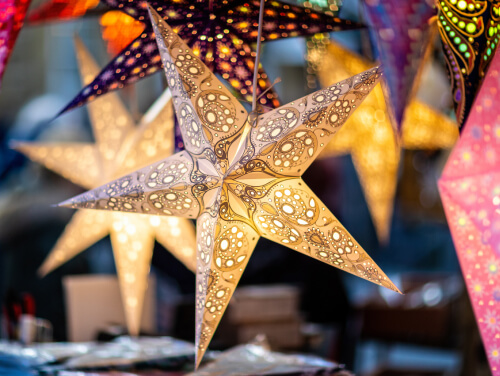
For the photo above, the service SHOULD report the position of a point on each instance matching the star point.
(220, 33)
(258, 190)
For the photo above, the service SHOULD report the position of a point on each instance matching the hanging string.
(257, 56)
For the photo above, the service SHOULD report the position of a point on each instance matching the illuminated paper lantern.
(470, 190)
(469, 34)
(220, 33)
(369, 138)
(56, 10)
(402, 32)
(120, 147)
(240, 177)
(12, 14)
(119, 30)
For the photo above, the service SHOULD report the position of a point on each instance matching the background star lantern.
(470, 190)
(120, 147)
(470, 35)
(220, 33)
(12, 14)
(241, 181)
(369, 137)
(402, 31)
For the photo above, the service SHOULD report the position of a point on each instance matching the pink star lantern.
(12, 13)
(470, 190)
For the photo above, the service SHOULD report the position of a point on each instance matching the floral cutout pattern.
(241, 181)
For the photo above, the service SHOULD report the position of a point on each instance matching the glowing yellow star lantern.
(369, 138)
(241, 179)
(120, 147)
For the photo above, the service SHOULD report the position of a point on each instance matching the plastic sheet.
(257, 359)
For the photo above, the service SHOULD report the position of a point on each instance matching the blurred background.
(428, 331)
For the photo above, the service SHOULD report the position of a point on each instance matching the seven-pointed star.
(120, 147)
(369, 137)
(241, 181)
(221, 33)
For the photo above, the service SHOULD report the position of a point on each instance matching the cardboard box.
(94, 301)
(280, 334)
(262, 304)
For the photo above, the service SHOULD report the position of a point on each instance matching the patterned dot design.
(243, 180)
(166, 175)
(469, 34)
(291, 137)
(300, 221)
(221, 36)
(206, 112)
(217, 111)
(190, 126)
(227, 248)
(470, 191)
(285, 119)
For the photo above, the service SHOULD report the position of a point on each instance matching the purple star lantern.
(221, 33)
(401, 30)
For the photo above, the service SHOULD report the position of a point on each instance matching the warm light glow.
(368, 136)
(240, 181)
(233, 24)
(124, 147)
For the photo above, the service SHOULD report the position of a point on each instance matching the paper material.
(12, 14)
(241, 181)
(470, 190)
(220, 33)
(369, 137)
(469, 35)
(402, 31)
(120, 147)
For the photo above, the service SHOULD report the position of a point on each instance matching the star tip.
(393, 287)
(398, 136)
(42, 272)
(77, 40)
(63, 204)
(151, 10)
(383, 240)
(15, 145)
(198, 357)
